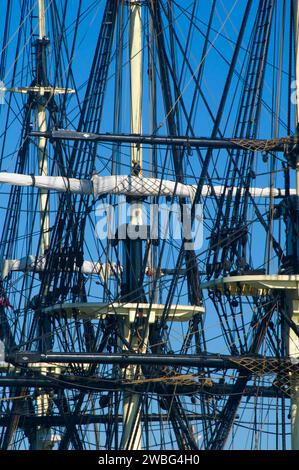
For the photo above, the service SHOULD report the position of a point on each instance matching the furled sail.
(127, 185)
(38, 264)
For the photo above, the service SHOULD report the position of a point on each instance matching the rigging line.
(17, 116)
(236, 168)
(85, 12)
(188, 40)
(25, 45)
(243, 81)
(57, 42)
(24, 19)
(198, 255)
(206, 250)
(21, 397)
(127, 62)
(172, 123)
(98, 60)
(13, 78)
(186, 61)
(227, 38)
(236, 72)
(254, 205)
(230, 20)
(197, 87)
(70, 57)
(221, 432)
(201, 68)
(245, 119)
(65, 440)
(3, 55)
(275, 130)
(162, 123)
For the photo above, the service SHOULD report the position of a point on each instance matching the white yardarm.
(128, 185)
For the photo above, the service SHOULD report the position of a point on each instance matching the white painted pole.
(42, 155)
(43, 435)
(293, 338)
(41, 19)
(136, 78)
(132, 437)
(131, 402)
(43, 171)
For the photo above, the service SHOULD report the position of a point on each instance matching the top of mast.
(41, 19)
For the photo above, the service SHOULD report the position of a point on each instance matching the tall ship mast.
(149, 255)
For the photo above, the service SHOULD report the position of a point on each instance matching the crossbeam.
(286, 144)
(253, 284)
(41, 90)
(216, 361)
(129, 310)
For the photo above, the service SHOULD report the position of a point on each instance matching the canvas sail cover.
(127, 185)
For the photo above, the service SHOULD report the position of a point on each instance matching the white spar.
(128, 186)
(38, 264)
